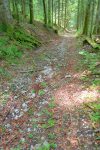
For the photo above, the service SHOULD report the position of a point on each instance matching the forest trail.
(46, 99)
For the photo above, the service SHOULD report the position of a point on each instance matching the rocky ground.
(43, 104)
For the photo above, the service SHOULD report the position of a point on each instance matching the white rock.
(8, 125)
(21, 114)
(25, 110)
(16, 117)
(31, 147)
(15, 97)
(31, 95)
(24, 105)
(29, 129)
(16, 111)
(22, 140)
(42, 138)
(23, 92)
(68, 76)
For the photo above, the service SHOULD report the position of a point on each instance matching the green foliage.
(90, 59)
(96, 82)
(44, 84)
(33, 91)
(52, 105)
(8, 51)
(98, 138)
(51, 136)
(50, 123)
(3, 27)
(3, 72)
(22, 141)
(31, 111)
(90, 62)
(96, 106)
(3, 128)
(45, 146)
(48, 113)
(53, 145)
(35, 126)
(21, 35)
(41, 92)
(30, 136)
(96, 115)
(15, 37)
(17, 148)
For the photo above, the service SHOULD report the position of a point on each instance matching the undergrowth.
(22, 37)
(91, 62)
(14, 40)
(7, 50)
(4, 73)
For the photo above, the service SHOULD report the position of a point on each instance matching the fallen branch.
(27, 71)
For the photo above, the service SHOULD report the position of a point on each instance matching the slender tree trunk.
(65, 14)
(86, 23)
(52, 12)
(13, 8)
(23, 3)
(98, 18)
(78, 15)
(55, 16)
(31, 11)
(45, 12)
(59, 13)
(62, 16)
(17, 10)
(49, 12)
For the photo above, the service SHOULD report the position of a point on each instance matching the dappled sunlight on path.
(74, 94)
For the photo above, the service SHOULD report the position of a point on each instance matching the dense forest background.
(67, 14)
(54, 12)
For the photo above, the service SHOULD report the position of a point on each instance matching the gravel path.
(43, 103)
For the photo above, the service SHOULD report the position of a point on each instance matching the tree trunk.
(49, 12)
(23, 2)
(31, 11)
(45, 12)
(5, 14)
(52, 12)
(58, 12)
(17, 11)
(65, 23)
